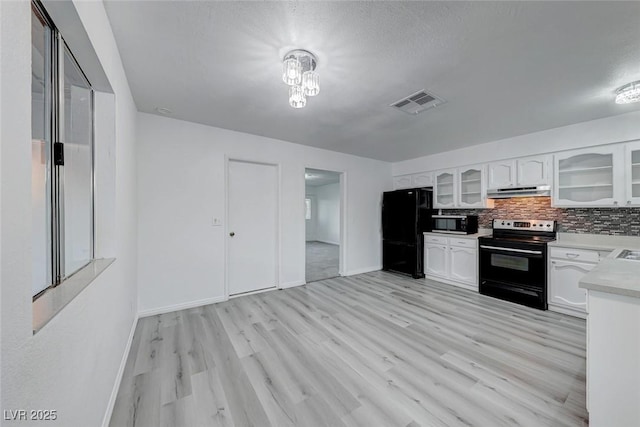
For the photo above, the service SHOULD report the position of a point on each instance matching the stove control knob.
(548, 225)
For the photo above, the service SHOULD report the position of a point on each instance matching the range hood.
(507, 193)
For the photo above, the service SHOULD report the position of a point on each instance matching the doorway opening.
(323, 224)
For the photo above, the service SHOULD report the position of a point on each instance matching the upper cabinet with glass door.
(445, 194)
(589, 177)
(472, 191)
(632, 166)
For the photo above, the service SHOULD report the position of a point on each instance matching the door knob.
(232, 234)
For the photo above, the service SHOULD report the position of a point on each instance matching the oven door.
(513, 265)
(516, 274)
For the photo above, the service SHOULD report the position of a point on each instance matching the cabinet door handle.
(615, 203)
(628, 202)
(570, 255)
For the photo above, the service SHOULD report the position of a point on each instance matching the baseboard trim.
(567, 311)
(182, 306)
(452, 282)
(116, 386)
(293, 284)
(362, 270)
(327, 241)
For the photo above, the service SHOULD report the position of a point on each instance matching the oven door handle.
(522, 251)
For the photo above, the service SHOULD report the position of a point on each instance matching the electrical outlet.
(216, 222)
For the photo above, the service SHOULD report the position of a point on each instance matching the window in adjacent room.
(307, 208)
(61, 158)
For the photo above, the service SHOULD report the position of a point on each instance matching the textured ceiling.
(504, 68)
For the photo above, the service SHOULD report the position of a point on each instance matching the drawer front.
(463, 243)
(435, 239)
(575, 254)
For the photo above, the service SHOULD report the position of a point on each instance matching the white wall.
(71, 364)
(619, 128)
(181, 187)
(328, 213)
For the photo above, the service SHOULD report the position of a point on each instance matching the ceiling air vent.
(417, 103)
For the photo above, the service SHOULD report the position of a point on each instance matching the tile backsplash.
(613, 221)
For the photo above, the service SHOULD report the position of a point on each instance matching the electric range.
(513, 261)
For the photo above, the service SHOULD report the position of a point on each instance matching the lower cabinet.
(436, 261)
(566, 267)
(464, 264)
(452, 260)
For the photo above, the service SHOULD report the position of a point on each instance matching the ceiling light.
(299, 72)
(163, 110)
(628, 93)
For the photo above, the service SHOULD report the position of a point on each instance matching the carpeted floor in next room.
(322, 261)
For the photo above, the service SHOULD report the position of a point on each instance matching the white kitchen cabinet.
(464, 265)
(589, 177)
(452, 260)
(501, 174)
(445, 191)
(566, 267)
(472, 192)
(533, 171)
(564, 292)
(436, 261)
(402, 181)
(523, 172)
(422, 179)
(632, 173)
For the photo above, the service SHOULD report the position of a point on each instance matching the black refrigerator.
(406, 214)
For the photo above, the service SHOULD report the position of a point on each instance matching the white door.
(464, 265)
(632, 166)
(252, 227)
(502, 174)
(533, 171)
(423, 179)
(564, 287)
(400, 182)
(589, 177)
(471, 192)
(436, 260)
(444, 190)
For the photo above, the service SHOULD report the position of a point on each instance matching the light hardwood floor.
(321, 261)
(375, 349)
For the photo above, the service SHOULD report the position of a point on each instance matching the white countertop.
(598, 242)
(481, 232)
(614, 276)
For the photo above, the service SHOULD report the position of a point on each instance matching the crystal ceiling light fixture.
(628, 93)
(299, 72)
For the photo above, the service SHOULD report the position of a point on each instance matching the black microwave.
(454, 224)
